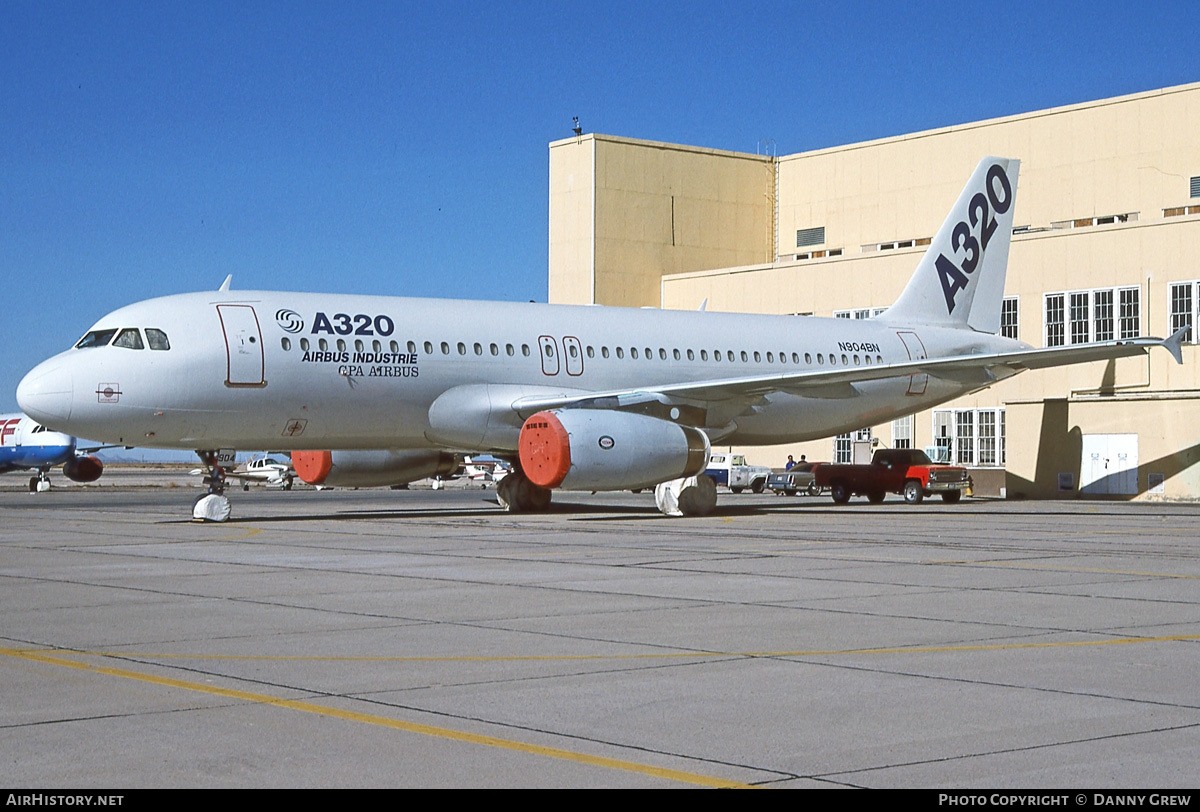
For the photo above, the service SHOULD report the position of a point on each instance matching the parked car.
(798, 479)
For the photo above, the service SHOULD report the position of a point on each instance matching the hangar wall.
(624, 213)
(1107, 239)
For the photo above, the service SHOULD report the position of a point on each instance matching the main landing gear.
(517, 494)
(41, 482)
(214, 505)
(690, 496)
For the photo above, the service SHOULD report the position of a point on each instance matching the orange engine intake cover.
(312, 466)
(545, 450)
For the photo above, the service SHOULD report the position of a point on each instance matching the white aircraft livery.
(26, 444)
(577, 397)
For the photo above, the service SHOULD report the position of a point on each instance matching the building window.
(810, 236)
(969, 437)
(1082, 316)
(1055, 335)
(987, 438)
(1009, 313)
(1104, 315)
(842, 449)
(1183, 308)
(902, 431)
(964, 437)
(1131, 315)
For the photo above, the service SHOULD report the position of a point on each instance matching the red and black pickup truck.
(893, 470)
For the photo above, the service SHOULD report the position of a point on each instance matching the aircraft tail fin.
(960, 279)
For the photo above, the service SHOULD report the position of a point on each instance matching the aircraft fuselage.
(295, 371)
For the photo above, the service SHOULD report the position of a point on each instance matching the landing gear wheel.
(950, 497)
(840, 493)
(246, 487)
(913, 493)
(33, 484)
(691, 496)
(287, 484)
(214, 505)
(211, 507)
(517, 494)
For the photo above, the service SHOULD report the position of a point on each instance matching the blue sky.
(401, 148)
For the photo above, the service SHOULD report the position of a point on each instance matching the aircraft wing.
(92, 449)
(983, 368)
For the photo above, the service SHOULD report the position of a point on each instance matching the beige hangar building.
(1106, 245)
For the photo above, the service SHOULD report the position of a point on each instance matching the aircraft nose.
(45, 394)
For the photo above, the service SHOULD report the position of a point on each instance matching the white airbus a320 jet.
(578, 398)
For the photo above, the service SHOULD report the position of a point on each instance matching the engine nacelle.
(366, 469)
(603, 450)
(83, 469)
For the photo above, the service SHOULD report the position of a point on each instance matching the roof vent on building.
(810, 236)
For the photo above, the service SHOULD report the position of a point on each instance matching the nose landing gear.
(41, 482)
(214, 505)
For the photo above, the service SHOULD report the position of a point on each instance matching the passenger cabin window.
(96, 338)
(130, 339)
(157, 339)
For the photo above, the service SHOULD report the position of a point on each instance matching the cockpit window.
(96, 338)
(157, 339)
(130, 339)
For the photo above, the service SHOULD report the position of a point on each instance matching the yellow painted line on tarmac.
(675, 655)
(383, 721)
(250, 532)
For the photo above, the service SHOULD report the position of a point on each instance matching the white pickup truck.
(732, 471)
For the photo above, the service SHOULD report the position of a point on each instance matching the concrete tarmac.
(424, 638)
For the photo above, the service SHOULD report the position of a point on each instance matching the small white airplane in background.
(575, 398)
(484, 468)
(27, 445)
(268, 470)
